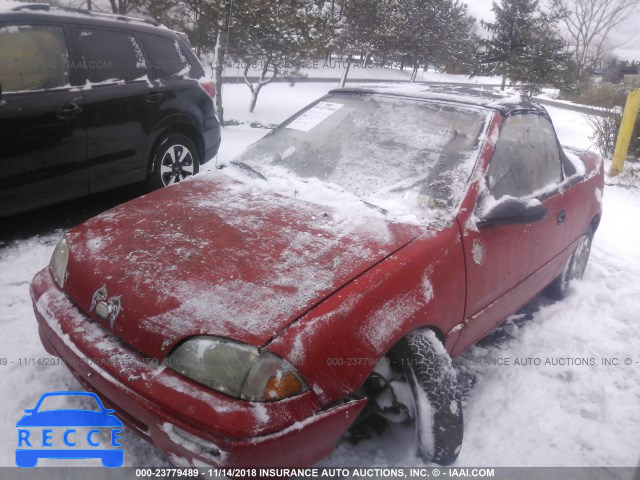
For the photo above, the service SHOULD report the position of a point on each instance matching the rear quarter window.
(33, 58)
(197, 71)
(110, 55)
(165, 55)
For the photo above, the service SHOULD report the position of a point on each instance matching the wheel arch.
(398, 344)
(183, 128)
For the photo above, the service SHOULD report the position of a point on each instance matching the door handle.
(67, 111)
(562, 216)
(155, 97)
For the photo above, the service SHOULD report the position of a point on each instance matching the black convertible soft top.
(507, 104)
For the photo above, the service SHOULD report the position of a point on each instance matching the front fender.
(337, 344)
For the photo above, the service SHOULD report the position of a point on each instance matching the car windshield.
(68, 402)
(408, 159)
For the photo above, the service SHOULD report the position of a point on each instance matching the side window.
(33, 58)
(110, 55)
(526, 158)
(165, 55)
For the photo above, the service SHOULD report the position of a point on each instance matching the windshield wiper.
(375, 207)
(245, 166)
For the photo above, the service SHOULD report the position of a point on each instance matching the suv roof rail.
(48, 8)
(30, 6)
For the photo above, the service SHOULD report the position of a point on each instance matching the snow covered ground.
(323, 70)
(574, 411)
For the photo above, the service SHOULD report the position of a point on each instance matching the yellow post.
(626, 131)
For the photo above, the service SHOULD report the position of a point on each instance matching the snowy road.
(571, 409)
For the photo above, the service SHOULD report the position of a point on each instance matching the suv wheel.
(174, 159)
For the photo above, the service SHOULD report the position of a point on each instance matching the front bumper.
(192, 424)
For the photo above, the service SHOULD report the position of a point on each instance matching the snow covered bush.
(605, 132)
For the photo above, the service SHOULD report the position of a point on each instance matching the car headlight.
(58, 263)
(238, 370)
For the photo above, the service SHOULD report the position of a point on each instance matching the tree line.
(281, 36)
(526, 46)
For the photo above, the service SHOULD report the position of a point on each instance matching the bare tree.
(605, 127)
(124, 6)
(589, 24)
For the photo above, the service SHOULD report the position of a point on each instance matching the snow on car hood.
(214, 256)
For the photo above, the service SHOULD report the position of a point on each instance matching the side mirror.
(513, 211)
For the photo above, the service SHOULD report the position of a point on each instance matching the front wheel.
(174, 159)
(437, 404)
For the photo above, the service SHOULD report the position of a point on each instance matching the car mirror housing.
(513, 211)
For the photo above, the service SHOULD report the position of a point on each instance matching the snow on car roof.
(7, 6)
(468, 95)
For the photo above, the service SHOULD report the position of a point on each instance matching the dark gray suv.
(91, 101)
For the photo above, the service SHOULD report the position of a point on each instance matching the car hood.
(214, 256)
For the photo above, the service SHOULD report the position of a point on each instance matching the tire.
(437, 408)
(174, 159)
(574, 268)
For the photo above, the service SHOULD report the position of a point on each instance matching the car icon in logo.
(63, 433)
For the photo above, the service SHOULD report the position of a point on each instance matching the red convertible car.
(250, 316)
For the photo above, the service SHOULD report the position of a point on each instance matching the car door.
(508, 264)
(115, 96)
(166, 99)
(42, 132)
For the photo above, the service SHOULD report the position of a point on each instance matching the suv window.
(110, 55)
(165, 55)
(33, 58)
(526, 158)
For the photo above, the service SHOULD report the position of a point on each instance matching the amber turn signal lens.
(282, 386)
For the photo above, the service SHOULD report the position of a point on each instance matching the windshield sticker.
(312, 117)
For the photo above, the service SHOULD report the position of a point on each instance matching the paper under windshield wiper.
(249, 168)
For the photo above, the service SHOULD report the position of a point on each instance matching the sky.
(628, 35)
